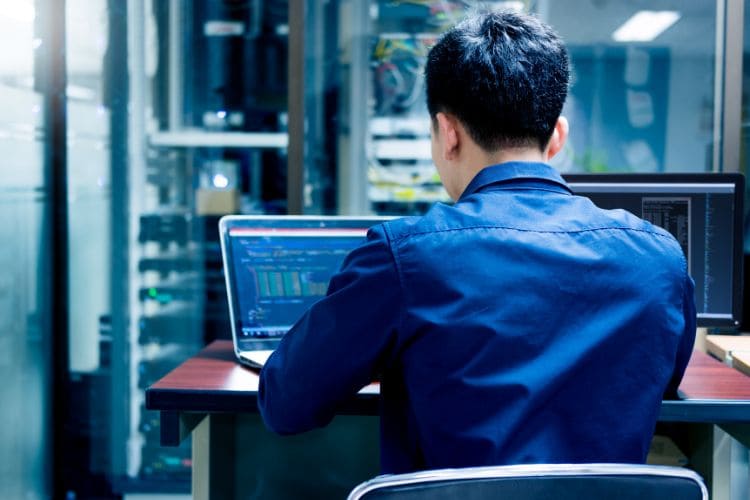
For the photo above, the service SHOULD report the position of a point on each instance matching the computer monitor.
(703, 211)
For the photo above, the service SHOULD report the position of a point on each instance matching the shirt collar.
(515, 172)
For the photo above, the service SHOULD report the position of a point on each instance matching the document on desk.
(741, 361)
(724, 347)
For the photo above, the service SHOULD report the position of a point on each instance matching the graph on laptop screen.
(281, 272)
(703, 212)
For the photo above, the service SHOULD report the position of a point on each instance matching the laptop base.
(254, 359)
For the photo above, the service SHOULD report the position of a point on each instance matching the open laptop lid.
(276, 267)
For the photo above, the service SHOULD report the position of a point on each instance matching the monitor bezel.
(737, 179)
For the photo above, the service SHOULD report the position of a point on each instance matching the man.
(521, 324)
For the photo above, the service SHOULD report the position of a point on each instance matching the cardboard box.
(216, 202)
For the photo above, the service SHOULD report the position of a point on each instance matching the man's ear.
(559, 136)
(448, 132)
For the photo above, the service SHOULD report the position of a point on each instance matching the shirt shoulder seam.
(400, 238)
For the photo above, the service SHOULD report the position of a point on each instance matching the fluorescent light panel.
(645, 25)
(19, 11)
(518, 6)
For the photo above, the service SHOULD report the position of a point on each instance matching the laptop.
(276, 267)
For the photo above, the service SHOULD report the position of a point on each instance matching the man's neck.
(477, 159)
(515, 154)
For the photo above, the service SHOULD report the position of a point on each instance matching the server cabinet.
(206, 137)
(367, 126)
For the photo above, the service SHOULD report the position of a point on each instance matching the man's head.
(504, 75)
(502, 78)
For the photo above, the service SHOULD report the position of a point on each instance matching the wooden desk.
(212, 381)
(212, 384)
(710, 392)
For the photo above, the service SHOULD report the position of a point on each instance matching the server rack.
(382, 146)
(206, 137)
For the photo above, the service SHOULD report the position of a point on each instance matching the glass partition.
(89, 234)
(642, 94)
(25, 260)
(641, 97)
(88, 178)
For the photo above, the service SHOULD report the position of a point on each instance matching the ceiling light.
(645, 25)
(518, 6)
(22, 12)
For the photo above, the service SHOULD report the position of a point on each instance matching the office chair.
(539, 482)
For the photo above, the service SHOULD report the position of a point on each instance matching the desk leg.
(213, 458)
(731, 468)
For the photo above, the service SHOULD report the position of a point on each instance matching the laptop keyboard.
(269, 333)
(260, 345)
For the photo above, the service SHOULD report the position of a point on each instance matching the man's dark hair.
(504, 75)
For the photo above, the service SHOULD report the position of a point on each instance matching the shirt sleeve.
(338, 346)
(687, 342)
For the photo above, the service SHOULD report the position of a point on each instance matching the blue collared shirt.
(521, 325)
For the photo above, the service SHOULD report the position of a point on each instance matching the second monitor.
(703, 212)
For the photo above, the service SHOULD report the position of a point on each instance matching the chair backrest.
(537, 482)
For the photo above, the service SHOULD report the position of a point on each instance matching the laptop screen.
(277, 268)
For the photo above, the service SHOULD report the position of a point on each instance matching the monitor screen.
(703, 212)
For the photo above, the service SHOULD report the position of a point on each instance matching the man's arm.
(338, 346)
(687, 342)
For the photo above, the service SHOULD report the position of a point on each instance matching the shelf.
(394, 126)
(406, 194)
(203, 139)
(402, 149)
